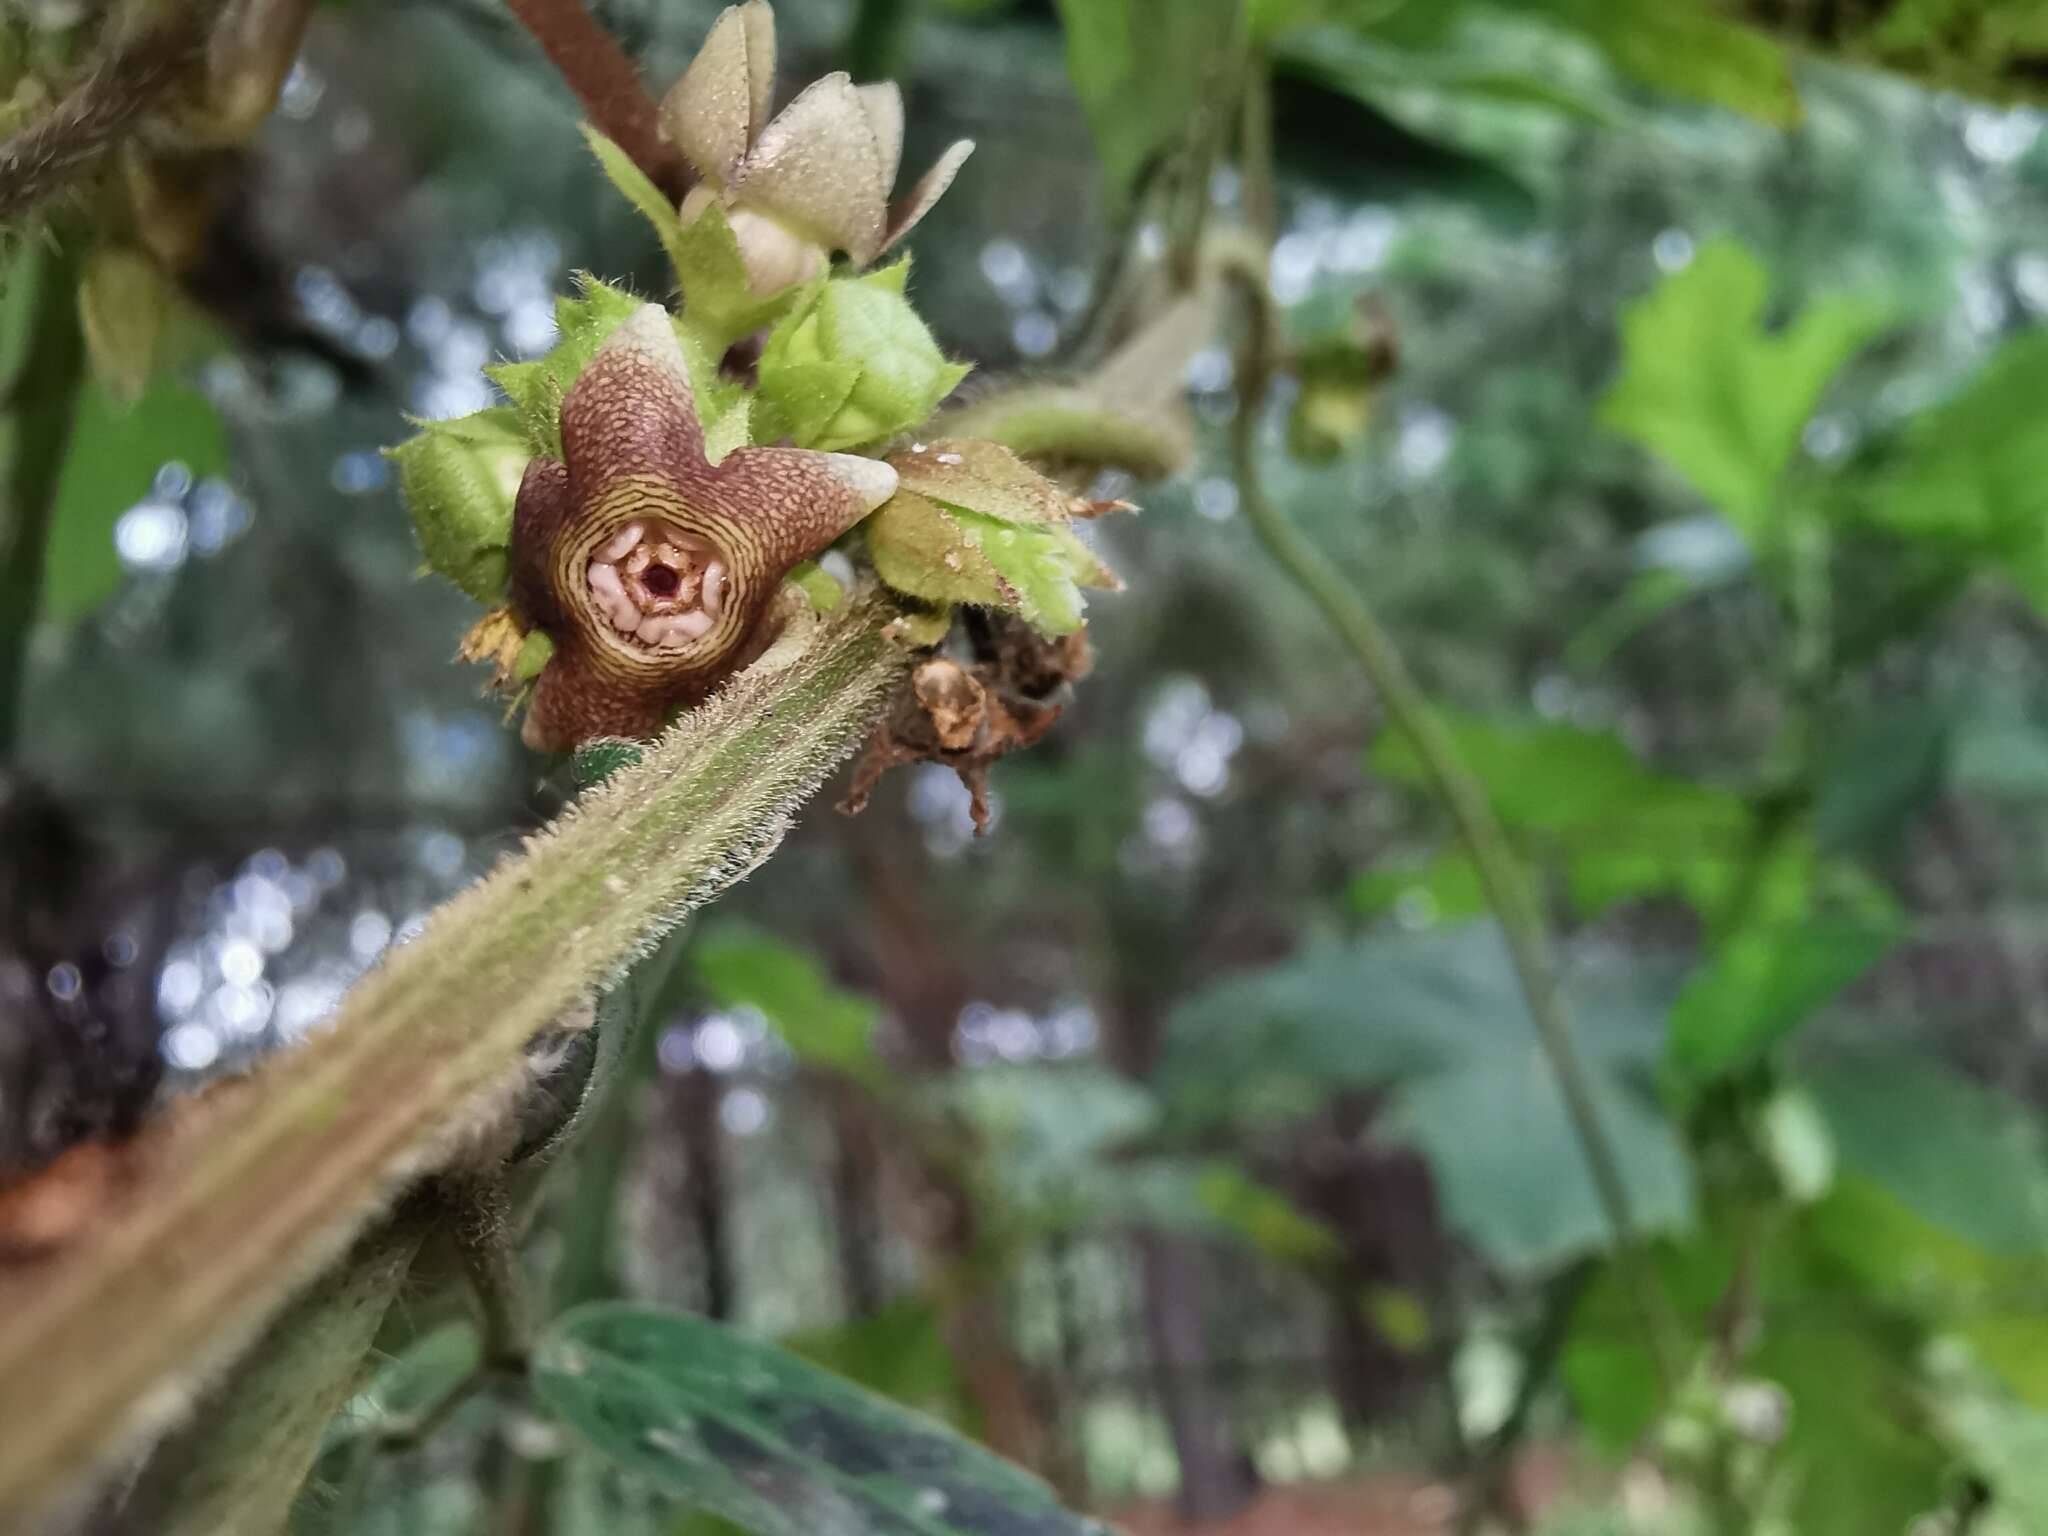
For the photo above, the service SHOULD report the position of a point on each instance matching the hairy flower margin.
(638, 523)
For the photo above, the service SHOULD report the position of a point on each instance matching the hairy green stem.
(236, 1197)
(44, 377)
(1509, 890)
(237, 1462)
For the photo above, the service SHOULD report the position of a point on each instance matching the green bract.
(856, 366)
(973, 523)
(459, 478)
(719, 299)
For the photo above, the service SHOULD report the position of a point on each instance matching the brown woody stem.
(614, 97)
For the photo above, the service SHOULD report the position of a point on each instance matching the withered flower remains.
(814, 180)
(653, 570)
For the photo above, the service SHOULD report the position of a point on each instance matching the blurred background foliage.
(1670, 382)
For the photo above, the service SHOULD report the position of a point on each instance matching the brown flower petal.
(721, 104)
(650, 568)
(931, 186)
(818, 166)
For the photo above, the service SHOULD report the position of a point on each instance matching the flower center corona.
(658, 584)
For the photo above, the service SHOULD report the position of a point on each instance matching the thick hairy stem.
(42, 158)
(1509, 890)
(42, 399)
(240, 1194)
(614, 97)
(236, 1465)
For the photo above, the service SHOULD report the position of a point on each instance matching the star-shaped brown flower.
(652, 569)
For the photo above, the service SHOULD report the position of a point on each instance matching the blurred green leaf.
(1760, 984)
(1970, 476)
(1999, 752)
(404, 1387)
(1880, 773)
(899, 1352)
(1147, 72)
(635, 186)
(826, 1026)
(1445, 889)
(2006, 1444)
(1858, 1449)
(777, 1446)
(114, 456)
(1686, 48)
(1437, 1021)
(1621, 830)
(1708, 388)
(1964, 1158)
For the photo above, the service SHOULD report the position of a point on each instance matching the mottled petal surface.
(818, 166)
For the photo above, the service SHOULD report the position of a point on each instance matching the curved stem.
(44, 156)
(42, 400)
(603, 78)
(1509, 890)
(239, 1194)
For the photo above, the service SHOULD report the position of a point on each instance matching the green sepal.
(534, 654)
(597, 761)
(582, 325)
(866, 324)
(818, 585)
(717, 293)
(459, 479)
(641, 192)
(947, 554)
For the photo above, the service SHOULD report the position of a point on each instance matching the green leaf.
(2006, 1444)
(1964, 1158)
(1444, 889)
(780, 1448)
(1723, 400)
(113, 458)
(1437, 1021)
(899, 1352)
(1970, 476)
(1685, 48)
(1760, 985)
(826, 1026)
(1147, 72)
(1621, 830)
(1879, 774)
(1045, 1137)
(1999, 752)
